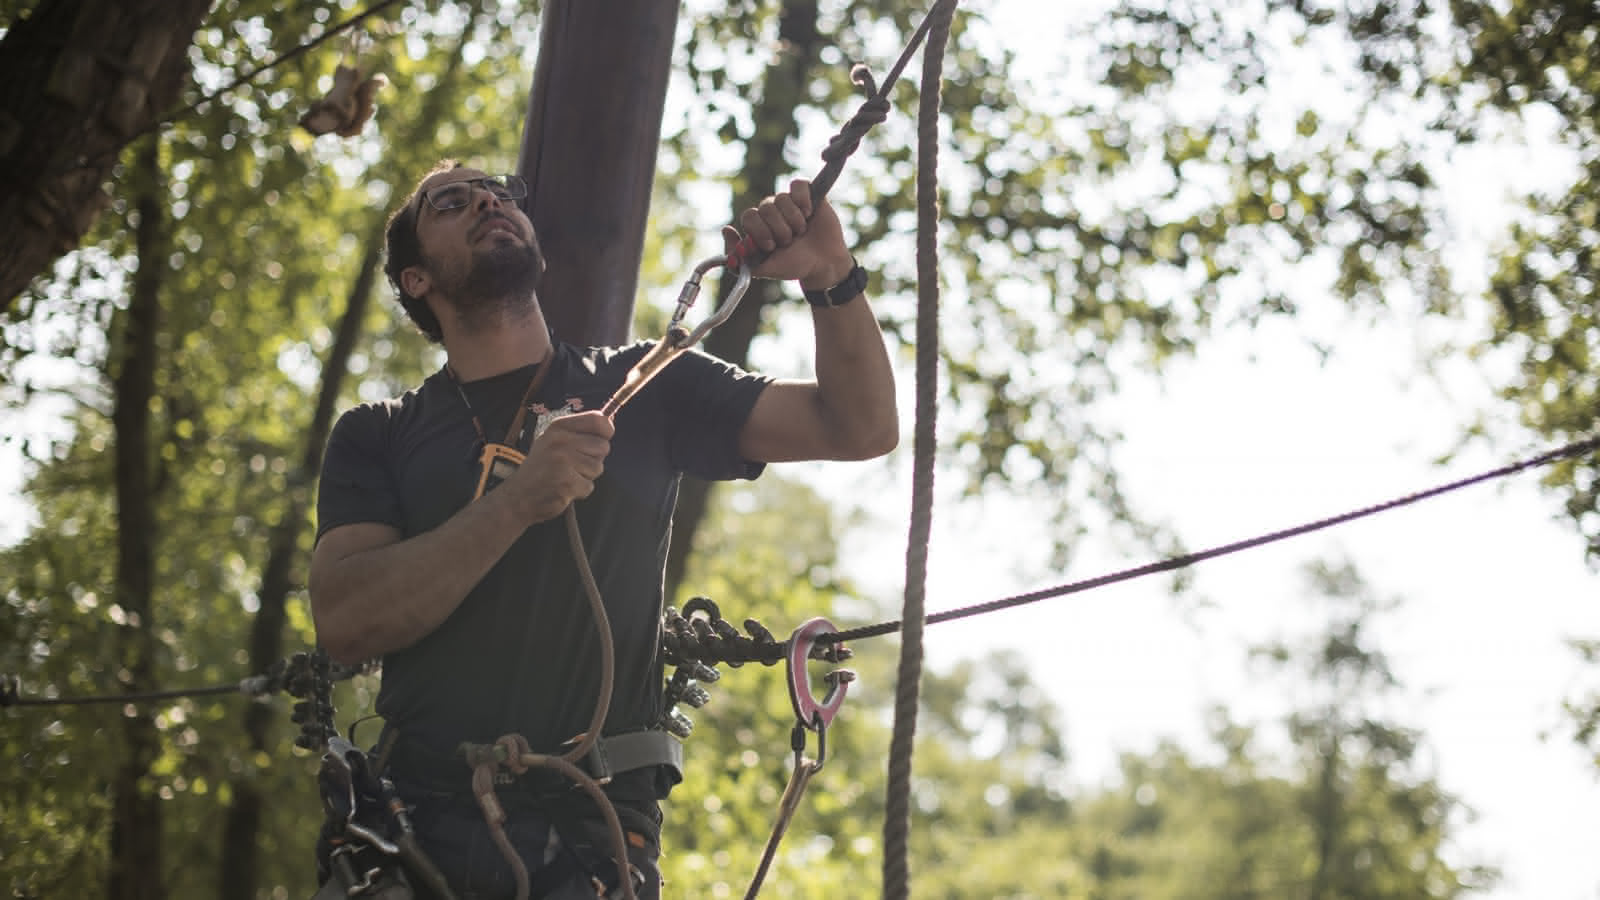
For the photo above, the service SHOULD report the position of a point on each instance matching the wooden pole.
(589, 155)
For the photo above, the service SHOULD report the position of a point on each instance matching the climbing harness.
(367, 846)
(371, 848)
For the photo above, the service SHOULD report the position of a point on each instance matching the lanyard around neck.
(514, 433)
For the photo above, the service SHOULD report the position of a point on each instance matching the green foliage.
(1351, 812)
(1037, 282)
(1086, 235)
(268, 229)
(1399, 92)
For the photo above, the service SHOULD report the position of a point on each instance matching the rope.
(897, 818)
(285, 675)
(874, 110)
(513, 752)
(804, 769)
(1575, 449)
(767, 650)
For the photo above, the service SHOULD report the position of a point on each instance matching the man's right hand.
(374, 591)
(561, 466)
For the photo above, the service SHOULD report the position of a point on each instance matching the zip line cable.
(10, 695)
(283, 675)
(1576, 449)
(274, 679)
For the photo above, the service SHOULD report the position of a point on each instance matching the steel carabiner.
(678, 338)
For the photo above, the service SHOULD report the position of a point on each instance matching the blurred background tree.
(192, 347)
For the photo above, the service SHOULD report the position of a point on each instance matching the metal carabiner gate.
(678, 338)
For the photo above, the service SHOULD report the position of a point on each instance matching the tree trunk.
(136, 865)
(589, 155)
(79, 79)
(1326, 814)
(240, 871)
(782, 91)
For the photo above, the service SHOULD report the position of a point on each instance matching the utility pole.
(589, 156)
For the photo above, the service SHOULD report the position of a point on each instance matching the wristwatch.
(843, 292)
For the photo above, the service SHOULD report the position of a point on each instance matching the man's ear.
(415, 281)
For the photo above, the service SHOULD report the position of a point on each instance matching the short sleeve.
(358, 481)
(712, 402)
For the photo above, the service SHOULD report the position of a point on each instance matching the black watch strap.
(843, 292)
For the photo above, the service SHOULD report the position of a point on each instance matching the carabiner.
(678, 339)
(808, 712)
(691, 290)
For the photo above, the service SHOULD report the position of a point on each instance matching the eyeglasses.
(457, 194)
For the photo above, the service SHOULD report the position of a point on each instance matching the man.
(441, 546)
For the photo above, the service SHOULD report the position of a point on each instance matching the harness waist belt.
(634, 750)
(610, 756)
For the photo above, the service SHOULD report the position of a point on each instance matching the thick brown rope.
(514, 753)
(897, 818)
(608, 650)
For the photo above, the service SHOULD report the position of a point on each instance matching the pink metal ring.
(812, 714)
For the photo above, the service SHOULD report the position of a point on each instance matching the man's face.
(483, 249)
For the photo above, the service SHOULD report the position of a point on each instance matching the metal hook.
(808, 712)
(691, 290)
(678, 339)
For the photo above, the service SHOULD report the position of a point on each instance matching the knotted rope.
(513, 753)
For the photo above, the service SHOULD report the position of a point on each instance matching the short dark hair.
(403, 249)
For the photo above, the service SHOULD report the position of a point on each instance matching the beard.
(499, 282)
(508, 272)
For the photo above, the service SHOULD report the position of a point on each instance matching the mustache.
(490, 218)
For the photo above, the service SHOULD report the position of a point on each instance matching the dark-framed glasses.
(457, 194)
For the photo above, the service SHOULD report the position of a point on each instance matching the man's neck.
(509, 343)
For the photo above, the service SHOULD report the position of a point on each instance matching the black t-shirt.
(521, 653)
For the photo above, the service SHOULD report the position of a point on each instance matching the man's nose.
(483, 198)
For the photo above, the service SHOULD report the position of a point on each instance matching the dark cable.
(768, 650)
(10, 696)
(1578, 448)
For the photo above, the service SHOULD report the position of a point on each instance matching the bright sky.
(1491, 588)
(1492, 580)
(1258, 434)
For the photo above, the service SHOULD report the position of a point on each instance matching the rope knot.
(514, 750)
(873, 111)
